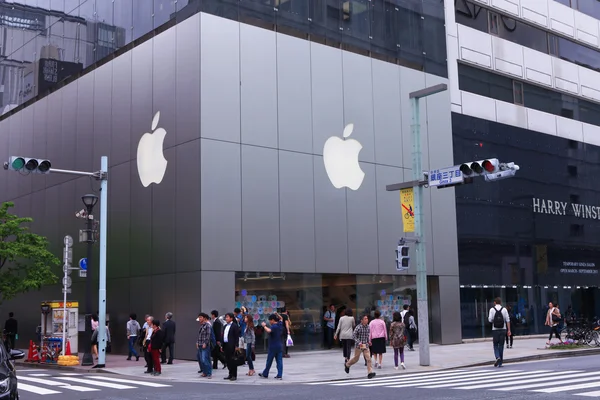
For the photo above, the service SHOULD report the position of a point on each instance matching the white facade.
(490, 52)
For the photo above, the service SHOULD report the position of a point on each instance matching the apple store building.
(249, 152)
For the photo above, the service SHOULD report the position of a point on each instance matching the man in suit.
(168, 329)
(231, 340)
(217, 327)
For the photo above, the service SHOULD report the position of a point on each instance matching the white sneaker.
(403, 366)
(396, 368)
(376, 365)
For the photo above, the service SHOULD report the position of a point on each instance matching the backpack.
(498, 321)
(406, 320)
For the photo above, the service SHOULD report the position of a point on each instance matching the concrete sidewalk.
(314, 366)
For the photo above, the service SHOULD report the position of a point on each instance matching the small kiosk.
(52, 324)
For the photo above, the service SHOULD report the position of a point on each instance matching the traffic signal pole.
(102, 176)
(421, 270)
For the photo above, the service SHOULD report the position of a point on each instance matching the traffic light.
(480, 167)
(402, 258)
(34, 165)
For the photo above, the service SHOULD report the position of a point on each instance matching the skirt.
(378, 346)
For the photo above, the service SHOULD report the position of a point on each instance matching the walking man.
(275, 332)
(500, 321)
(362, 339)
(168, 329)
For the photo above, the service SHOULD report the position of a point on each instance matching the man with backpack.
(500, 321)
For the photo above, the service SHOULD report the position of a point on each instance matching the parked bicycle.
(583, 332)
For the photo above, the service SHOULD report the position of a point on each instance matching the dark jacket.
(234, 335)
(218, 329)
(168, 329)
(11, 326)
(157, 339)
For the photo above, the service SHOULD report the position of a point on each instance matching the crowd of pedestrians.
(229, 339)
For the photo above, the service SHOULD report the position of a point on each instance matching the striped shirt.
(361, 334)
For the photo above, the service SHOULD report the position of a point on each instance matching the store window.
(307, 296)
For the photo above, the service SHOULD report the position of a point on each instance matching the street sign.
(68, 241)
(66, 290)
(407, 204)
(83, 264)
(82, 273)
(67, 281)
(446, 176)
(67, 255)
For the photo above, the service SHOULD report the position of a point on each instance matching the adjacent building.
(525, 87)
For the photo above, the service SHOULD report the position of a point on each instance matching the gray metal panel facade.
(245, 187)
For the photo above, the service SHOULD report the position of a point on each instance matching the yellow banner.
(407, 203)
(56, 304)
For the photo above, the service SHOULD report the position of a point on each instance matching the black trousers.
(348, 346)
(229, 349)
(509, 340)
(218, 355)
(163, 355)
(148, 358)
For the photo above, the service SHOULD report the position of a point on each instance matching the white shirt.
(493, 313)
(403, 313)
(148, 333)
(226, 333)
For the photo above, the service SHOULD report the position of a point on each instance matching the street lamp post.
(89, 200)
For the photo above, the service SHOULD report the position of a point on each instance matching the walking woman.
(249, 341)
(378, 335)
(553, 320)
(398, 339)
(155, 347)
(345, 331)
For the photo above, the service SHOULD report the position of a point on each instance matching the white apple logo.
(341, 160)
(151, 161)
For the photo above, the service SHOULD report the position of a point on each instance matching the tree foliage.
(25, 262)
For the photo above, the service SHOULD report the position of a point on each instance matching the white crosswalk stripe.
(572, 382)
(46, 384)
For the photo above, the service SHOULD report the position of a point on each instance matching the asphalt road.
(572, 378)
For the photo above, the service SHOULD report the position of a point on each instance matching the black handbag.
(239, 357)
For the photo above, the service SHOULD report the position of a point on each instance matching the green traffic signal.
(18, 163)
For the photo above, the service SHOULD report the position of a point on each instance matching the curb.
(549, 356)
(40, 365)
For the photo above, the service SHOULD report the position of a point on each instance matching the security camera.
(5, 165)
(81, 213)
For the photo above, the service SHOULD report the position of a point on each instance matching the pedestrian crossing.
(571, 382)
(53, 384)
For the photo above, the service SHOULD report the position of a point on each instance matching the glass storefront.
(306, 297)
(530, 239)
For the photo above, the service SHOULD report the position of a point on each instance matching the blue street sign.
(83, 264)
(445, 176)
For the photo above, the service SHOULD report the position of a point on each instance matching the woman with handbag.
(552, 320)
(398, 339)
(249, 341)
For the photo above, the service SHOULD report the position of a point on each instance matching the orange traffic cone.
(44, 354)
(30, 352)
(36, 356)
(68, 348)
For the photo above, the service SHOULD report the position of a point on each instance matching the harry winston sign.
(554, 207)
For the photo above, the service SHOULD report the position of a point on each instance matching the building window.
(493, 23)
(553, 45)
(572, 170)
(576, 230)
(574, 144)
(518, 93)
